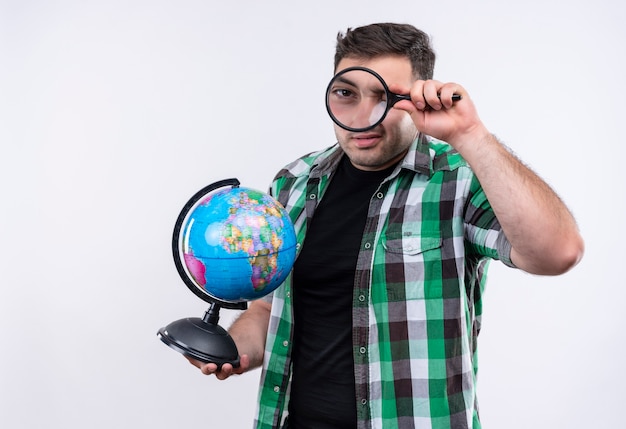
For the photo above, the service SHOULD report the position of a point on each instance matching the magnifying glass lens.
(356, 99)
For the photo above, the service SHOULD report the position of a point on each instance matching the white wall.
(113, 113)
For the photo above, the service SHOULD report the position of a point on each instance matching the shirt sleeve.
(483, 231)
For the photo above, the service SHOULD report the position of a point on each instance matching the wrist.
(472, 140)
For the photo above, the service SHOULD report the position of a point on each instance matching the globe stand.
(201, 339)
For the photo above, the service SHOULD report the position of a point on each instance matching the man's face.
(386, 144)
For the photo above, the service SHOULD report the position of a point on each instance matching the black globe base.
(201, 339)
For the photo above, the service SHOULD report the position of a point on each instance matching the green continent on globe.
(258, 235)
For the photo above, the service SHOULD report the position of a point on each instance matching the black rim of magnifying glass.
(392, 98)
(176, 247)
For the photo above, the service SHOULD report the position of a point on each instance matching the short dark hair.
(375, 40)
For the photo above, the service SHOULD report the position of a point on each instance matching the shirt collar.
(419, 158)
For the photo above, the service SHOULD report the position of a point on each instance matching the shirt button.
(277, 389)
(285, 343)
(362, 350)
(362, 298)
(311, 196)
(379, 195)
(363, 401)
(368, 245)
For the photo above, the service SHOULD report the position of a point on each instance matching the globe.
(237, 244)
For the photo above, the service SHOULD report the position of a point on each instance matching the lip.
(366, 140)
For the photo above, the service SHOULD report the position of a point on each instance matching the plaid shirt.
(420, 274)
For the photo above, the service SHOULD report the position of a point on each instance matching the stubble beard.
(379, 157)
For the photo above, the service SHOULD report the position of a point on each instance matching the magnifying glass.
(358, 99)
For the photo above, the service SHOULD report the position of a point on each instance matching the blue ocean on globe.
(238, 244)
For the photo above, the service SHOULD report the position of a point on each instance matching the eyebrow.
(342, 79)
(376, 91)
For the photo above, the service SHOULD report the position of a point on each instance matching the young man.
(376, 327)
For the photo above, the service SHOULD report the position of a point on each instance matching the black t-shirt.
(323, 392)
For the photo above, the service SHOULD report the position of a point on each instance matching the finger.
(447, 92)
(224, 372)
(208, 368)
(417, 95)
(244, 364)
(431, 94)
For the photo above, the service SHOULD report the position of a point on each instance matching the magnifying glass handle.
(398, 97)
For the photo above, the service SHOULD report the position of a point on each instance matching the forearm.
(249, 331)
(542, 232)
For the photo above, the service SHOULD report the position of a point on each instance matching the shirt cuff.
(504, 250)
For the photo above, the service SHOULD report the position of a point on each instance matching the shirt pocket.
(411, 263)
(410, 244)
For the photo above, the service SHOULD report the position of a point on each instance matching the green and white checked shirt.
(420, 275)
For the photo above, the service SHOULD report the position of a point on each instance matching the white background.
(113, 113)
